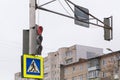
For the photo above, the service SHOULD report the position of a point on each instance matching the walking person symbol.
(33, 67)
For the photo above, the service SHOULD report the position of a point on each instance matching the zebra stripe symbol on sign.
(33, 67)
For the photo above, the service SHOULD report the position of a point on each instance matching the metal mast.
(32, 22)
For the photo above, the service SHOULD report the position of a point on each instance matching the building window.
(65, 71)
(58, 78)
(46, 62)
(112, 59)
(68, 53)
(104, 74)
(54, 66)
(81, 67)
(93, 74)
(69, 61)
(81, 77)
(46, 74)
(73, 68)
(46, 68)
(103, 62)
(91, 55)
(74, 78)
(93, 62)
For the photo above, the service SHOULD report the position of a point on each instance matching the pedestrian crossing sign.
(32, 66)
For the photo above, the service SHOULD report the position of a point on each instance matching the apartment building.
(75, 71)
(66, 56)
(104, 67)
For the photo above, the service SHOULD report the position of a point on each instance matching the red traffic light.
(39, 30)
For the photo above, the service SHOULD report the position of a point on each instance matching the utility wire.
(63, 7)
(72, 10)
(47, 3)
(69, 6)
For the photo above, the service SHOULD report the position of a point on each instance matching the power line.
(69, 6)
(63, 7)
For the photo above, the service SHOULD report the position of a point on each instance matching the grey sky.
(58, 31)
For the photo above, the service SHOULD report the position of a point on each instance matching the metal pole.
(32, 23)
(32, 43)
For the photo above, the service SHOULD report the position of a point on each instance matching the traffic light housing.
(25, 41)
(39, 38)
(108, 28)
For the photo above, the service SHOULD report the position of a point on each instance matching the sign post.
(32, 63)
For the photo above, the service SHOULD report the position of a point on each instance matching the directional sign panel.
(32, 66)
(82, 18)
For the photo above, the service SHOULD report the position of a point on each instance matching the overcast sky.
(58, 31)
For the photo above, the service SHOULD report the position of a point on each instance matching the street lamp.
(109, 49)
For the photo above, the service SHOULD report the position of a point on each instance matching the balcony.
(94, 74)
(94, 68)
(106, 78)
(95, 79)
(94, 64)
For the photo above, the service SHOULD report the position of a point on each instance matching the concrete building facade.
(104, 67)
(66, 56)
(75, 71)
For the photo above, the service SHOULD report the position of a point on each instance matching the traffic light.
(39, 38)
(108, 28)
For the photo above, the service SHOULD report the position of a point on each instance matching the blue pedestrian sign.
(32, 66)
